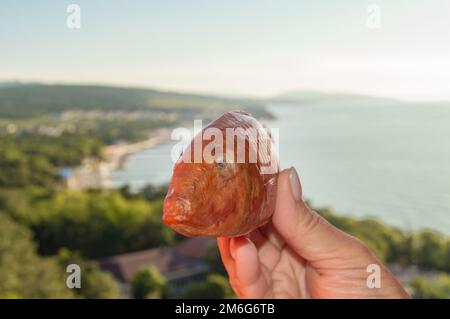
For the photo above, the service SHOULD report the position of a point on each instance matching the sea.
(386, 160)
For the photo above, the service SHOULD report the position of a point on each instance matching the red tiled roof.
(167, 259)
(196, 247)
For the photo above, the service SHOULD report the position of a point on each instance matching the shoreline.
(95, 173)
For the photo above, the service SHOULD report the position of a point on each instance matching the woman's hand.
(300, 255)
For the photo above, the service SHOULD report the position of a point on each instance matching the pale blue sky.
(255, 48)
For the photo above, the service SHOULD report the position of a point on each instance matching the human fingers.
(306, 232)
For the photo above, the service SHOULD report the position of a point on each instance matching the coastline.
(94, 173)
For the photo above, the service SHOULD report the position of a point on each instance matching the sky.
(249, 48)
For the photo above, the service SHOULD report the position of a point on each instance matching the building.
(180, 264)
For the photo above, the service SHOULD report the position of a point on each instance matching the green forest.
(42, 229)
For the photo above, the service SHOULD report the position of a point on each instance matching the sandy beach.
(95, 173)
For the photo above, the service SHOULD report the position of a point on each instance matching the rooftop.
(182, 260)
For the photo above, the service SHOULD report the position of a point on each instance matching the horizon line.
(221, 94)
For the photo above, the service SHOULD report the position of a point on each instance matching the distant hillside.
(5, 84)
(316, 96)
(30, 100)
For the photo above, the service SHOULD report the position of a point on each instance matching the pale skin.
(300, 255)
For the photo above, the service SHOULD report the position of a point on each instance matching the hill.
(317, 96)
(31, 100)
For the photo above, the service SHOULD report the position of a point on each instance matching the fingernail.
(233, 247)
(236, 243)
(296, 187)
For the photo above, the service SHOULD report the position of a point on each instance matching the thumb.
(309, 234)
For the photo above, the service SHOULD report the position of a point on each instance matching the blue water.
(392, 161)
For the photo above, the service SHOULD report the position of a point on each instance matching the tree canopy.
(215, 286)
(148, 282)
(22, 272)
